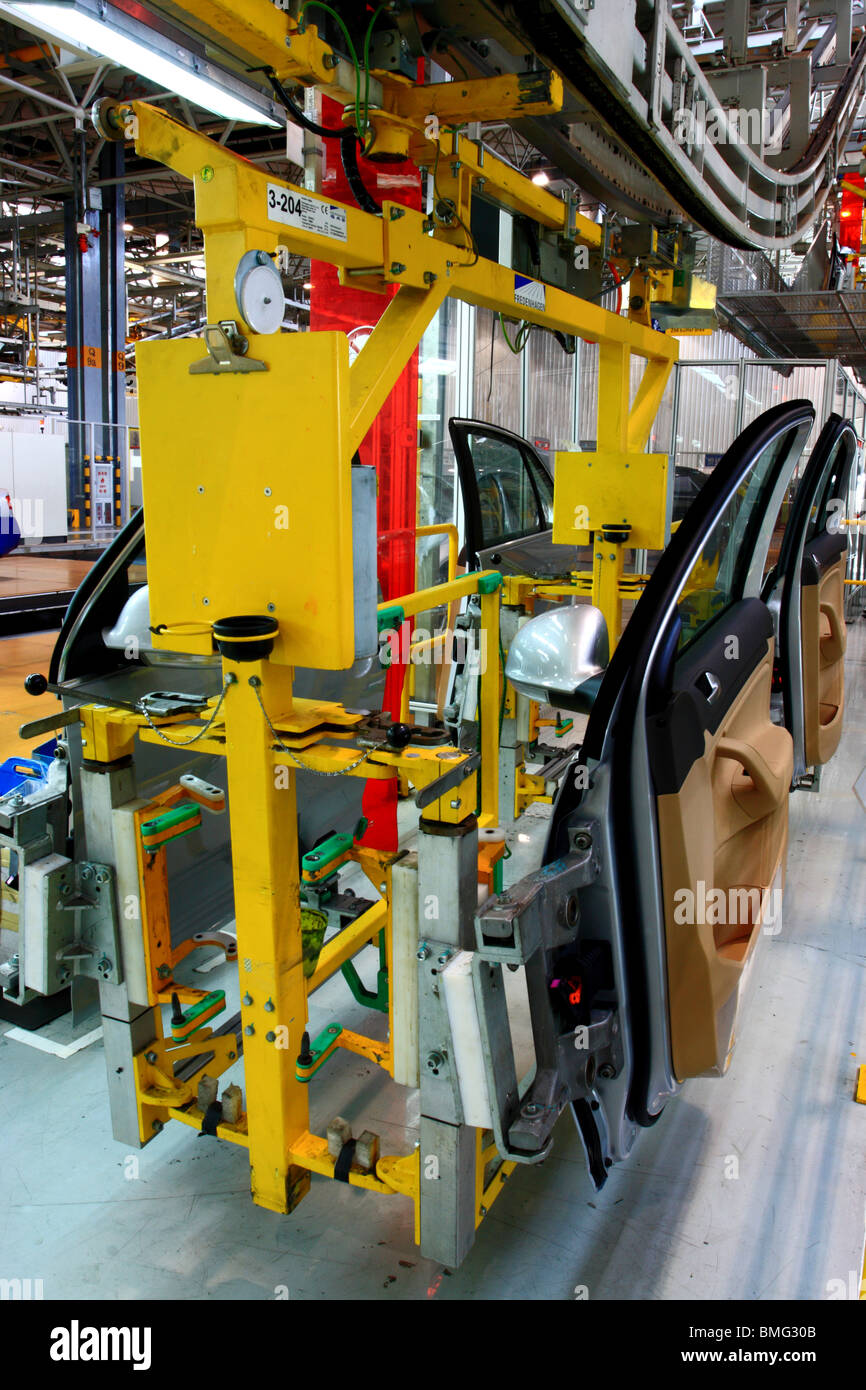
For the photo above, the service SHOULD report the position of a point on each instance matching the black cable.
(349, 155)
(346, 136)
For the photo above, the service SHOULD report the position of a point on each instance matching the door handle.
(838, 640)
(771, 787)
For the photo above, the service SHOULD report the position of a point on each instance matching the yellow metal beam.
(478, 99)
(268, 33)
(383, 357)
(264, 827)
(347, 944)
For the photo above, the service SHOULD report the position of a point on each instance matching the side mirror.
(559, 657)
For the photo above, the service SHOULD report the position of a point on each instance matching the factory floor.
(749, 1187)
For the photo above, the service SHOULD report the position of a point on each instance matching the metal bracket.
(447, 782)
(440, 1087)
(226, 347)
(88, 890)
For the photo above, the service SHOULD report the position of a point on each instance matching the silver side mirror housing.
(559, 657)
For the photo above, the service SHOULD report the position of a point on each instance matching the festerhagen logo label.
(77, 1343)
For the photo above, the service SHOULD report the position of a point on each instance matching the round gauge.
(259, 292)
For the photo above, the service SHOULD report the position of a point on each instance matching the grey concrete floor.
(751, 1186)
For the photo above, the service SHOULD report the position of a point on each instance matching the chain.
(185, 742)
(255, 683)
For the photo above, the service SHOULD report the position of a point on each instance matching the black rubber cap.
(248, 637)
(35, 684)
(399, 735)
(305, 1056)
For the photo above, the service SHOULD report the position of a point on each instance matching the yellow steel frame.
(234, 213)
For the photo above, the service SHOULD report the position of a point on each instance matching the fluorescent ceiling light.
(106, 39)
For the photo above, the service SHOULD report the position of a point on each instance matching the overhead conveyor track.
(655, 99)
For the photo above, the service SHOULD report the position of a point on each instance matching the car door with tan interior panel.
(691, 776)
(810, 583)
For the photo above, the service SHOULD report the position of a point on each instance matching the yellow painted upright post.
(491, 678)
(607, 562)
(614, 392)
(264, 831)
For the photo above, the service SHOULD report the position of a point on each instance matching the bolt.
(530, 1111)
(269, 1006)
(65, 890)
(272, 608)
(423, 951)
(329, 60)
(249, 1030)
(207, 173)
(444, 958)
(455, 804)
(151, 1057)
(483, 1211)
(396, 213)
(199, 489)
(397, 267)
(435, 1060)
(247, 999)
(232, 1056)
(583, 840)
(164, 971)
(270, 1037)
(157, 1126)
(205, 601)
(430, 277)
(607, 1070)
(456, 166)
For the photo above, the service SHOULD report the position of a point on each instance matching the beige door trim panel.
(722, 839)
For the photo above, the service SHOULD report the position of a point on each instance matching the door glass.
(828, 510)
(544, 488)
(718, 576)
(509, 507)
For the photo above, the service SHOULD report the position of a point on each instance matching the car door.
(682, 784)
(808, 589)
(508, 503)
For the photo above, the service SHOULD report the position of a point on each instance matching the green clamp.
(332, 851)
(389, 618)
(489, 583)
(170, 825)
(185, 1022)
(314, 1055)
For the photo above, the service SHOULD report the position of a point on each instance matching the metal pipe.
(77, 111)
